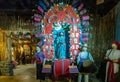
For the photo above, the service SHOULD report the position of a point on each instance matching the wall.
(103, 33)
(117, 36)
(4, 53)
(4, 46)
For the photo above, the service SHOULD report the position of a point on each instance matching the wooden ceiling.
(25, 7)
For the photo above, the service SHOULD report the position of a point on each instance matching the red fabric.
(61, 67)
(110, 73)
(66, 66)
(38, 62)
(115, 78)
(57, 68)
(14, 62)
(116, 43)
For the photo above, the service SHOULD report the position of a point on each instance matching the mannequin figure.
(40, 61)
(82, 57)
(113, 61)
(61, 46)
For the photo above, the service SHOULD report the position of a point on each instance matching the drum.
(61, 67)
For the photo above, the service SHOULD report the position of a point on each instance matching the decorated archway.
(62, 29)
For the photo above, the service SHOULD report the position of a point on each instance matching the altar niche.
(62, 32)
(61, 42)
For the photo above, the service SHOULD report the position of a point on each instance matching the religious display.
(62, 30)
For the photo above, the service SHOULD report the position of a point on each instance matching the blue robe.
(61, 47)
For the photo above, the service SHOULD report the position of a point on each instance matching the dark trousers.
(39, 73)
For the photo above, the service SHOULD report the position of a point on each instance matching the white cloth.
(112, 55)
(86, 78)
(79, 77)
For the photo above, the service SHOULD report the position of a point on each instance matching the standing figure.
(40, 61)
(61, 46)
(23, 58)
(113, 61)
(82, 57)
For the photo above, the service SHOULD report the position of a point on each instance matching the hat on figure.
(116, 43)
(85, 45)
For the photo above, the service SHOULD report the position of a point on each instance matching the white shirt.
(114, 55)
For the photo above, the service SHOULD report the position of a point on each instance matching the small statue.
(61, 46)
(84, 56)
(40, 59)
